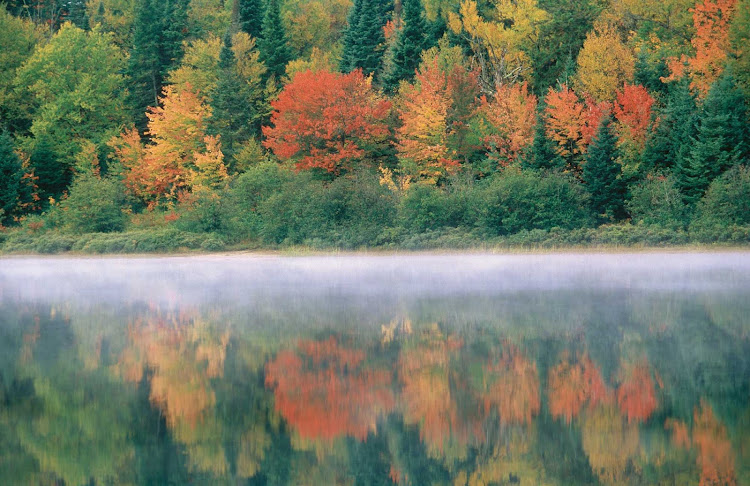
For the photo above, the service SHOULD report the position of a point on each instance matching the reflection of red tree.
(325, 391)
(715, 455)
(571, 385)
(514, 387)
(636, 395)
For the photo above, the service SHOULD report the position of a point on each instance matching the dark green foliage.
(158, 31)
(410, 42)
(145, 69)
(11, 173)
(560, 39)
(667, 145)
(657, 201)
(602, 175)
(364, 40)
(721, 140)
(517, 201)
(543, 152)
(273, 45)
(725, 207)
(99, 16)
(54, 176)
(425, 207)
(233, 115)
(251, 17)
(94, 205)
(76, 13)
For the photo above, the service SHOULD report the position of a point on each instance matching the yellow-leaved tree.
(605, 64)
(498, 43)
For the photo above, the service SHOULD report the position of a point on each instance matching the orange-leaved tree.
(633, 113)
(711, 20)
(327, 120)
(435, 111)
(181, 157)
(506, 123)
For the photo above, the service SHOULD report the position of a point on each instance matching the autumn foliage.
(325, 390)
(570, 386)
(711, 20)
(327, 120)
(632, 111)
(636, 394)
(507, 123)
(513, 386)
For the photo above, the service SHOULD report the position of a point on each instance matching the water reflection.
(598, 387)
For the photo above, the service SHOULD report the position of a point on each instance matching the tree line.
(492, 117)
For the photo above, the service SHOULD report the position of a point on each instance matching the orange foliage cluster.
(711, 19)
(514, 387)
(633, 113)
(324, 120)
(571, 386)
(636, 395)
(325, 391)
(181, 158)
(183, 360)
(510, 118)
(715, 455)
(427, 395)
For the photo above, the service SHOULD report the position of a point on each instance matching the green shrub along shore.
(271, 207)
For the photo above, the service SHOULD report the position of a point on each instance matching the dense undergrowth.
(270, 207)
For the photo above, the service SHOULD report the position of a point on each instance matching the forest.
(146, 125)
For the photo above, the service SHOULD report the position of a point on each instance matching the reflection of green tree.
(79, 432)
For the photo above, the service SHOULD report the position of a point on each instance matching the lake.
(420, 369)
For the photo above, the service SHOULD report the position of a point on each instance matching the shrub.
(94, 205)
(657, 201)
(516, 201)
(724, 212)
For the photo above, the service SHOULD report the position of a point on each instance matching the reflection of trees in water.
(326, 390)
(407, 401)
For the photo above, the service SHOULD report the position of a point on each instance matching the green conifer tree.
(233, 116)
(145, 68)
(11, 173)
(175, 31)
(602, 174)
(721, 140)
(364, 41)
(542, 155)
(410, 43)
(273, 45)
(677, 121)
(251, 17)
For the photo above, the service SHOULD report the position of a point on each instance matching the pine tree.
(720, 143)
(11, 173)
(364, 41)
(273, 45)
(99, 17)
(251, 17)
(602, 172)
(175, 31)
(233, 116)
(669, 142)
(409, 45)
(145, 69)
(542, 155)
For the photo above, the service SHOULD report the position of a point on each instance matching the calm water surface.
(376, 370)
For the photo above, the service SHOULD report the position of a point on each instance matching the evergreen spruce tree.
(721, 141)
(233, 116)
(410, 43)
(11, 173)
(273, 46)
(175, 31)
(251, 17)
(364, 41)
(145, 68)
(350, 37)
(670, 141)
(542, 155)
(99, 17)
(602, 174)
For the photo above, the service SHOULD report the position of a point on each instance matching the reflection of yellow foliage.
(514, 387)
(715, 455)
(609, 442)
(253, 445)
(512, 462)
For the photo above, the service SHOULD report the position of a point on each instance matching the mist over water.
(376, 369)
